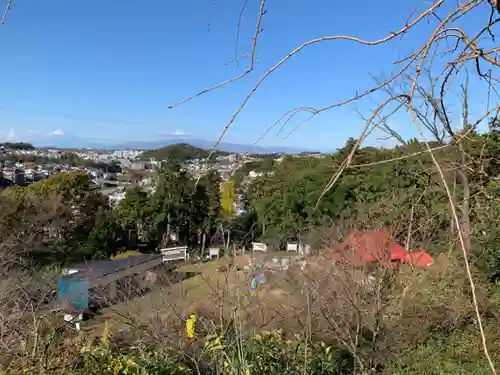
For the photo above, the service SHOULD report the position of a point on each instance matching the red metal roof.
(419, 258)
(376, 246)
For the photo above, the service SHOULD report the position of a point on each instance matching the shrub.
(101, 359)
(271, 353)
(126, 254)
(460, 353)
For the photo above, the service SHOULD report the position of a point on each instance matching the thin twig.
(333, 38)
(7, 8)
(348, 160)
(291, 113)
(430, 42)
(211, 14)
(459, 139)
(245, 73)
(389, 37)
(237, 42)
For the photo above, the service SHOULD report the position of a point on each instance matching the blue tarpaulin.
(74, 293)
(257, 278)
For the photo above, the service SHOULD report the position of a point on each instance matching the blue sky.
(109, 69)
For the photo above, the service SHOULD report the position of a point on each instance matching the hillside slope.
(181, 152)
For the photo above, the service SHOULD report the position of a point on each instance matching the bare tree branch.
(250, 68)
(237, 42)
(348, 160)
(389, 37)
(7, 8)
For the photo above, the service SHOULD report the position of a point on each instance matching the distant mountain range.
(70, 141)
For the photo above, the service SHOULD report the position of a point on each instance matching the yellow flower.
(117, 368)
(106, 334)
(130, 363)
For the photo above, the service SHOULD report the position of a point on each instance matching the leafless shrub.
(30, 332)
(378, 313)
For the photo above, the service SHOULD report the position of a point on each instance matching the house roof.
(97, 269)
(376, 246)
(419, 258)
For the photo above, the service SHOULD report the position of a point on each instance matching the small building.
(138, 165)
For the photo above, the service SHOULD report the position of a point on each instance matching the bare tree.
(448, 50)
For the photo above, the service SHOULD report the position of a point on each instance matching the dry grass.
(326, 301)
(212, 294)
(387, 313)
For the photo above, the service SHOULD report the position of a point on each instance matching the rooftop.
(93, 271)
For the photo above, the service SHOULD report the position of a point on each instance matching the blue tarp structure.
(257, 278)
(74, 293)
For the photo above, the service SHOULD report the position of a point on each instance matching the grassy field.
(204, 290)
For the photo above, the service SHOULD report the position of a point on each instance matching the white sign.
(291, 246)
(174, 253)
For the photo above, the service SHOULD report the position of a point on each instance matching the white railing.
(174, 253)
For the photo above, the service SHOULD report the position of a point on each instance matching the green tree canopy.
(180, 152)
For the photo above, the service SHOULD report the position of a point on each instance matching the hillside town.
(114, 171)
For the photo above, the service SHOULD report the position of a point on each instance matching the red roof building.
(361, 248)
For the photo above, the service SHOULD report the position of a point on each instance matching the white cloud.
(177, 133)
(57, 132)
(11, 135)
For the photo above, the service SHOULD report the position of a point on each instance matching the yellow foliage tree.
(228, 197)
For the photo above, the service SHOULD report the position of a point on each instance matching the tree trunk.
(465, 206)
(453, 228)
(168, 227)
(203, 241)
(228, 239)
(463, 173)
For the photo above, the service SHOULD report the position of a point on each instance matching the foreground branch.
(7, 8)
(245, 73)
